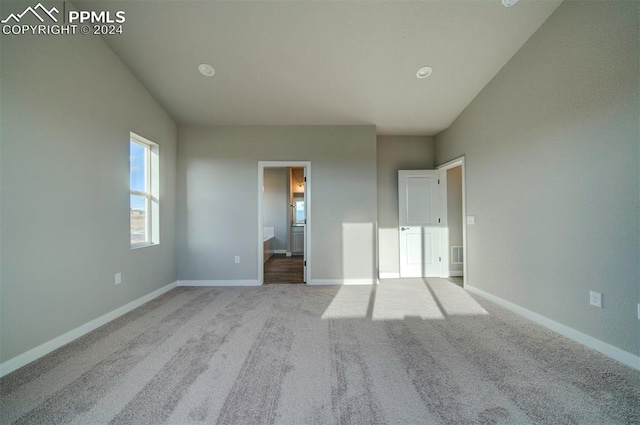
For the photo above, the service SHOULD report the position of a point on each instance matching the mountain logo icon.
(34, 11)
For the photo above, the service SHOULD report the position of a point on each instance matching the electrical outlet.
(237, 259)
(118, 278)
(595, 299)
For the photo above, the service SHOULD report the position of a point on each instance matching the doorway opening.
(283, 221)
(455, 236)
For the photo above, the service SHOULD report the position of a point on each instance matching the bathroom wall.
(275, 204)
(297, 178)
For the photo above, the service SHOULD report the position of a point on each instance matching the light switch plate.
(471, 219)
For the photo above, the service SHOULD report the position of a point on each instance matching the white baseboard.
(324, 282)
(396, 275)
(582, 338)
(49, 346)
(253, 282)
(279, 251)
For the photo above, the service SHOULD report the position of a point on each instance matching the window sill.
(144, 245)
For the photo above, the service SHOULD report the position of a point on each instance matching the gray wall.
(275, 203)
(218, 198)
(396, 153)
(454, 213)
(551, 149)
(68, 104)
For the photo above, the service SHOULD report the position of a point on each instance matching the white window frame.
(150, 193)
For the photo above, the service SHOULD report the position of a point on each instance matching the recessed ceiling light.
(424, 72)
(509, 3)
(206, 70)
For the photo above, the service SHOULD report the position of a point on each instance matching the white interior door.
(419, 223)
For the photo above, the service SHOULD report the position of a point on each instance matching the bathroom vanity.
(297, 239)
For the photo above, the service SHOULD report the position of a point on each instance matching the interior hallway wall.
(552, 172)
(396, 153)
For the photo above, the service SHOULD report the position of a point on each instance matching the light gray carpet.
(402, 352)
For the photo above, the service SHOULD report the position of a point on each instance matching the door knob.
(404, 228)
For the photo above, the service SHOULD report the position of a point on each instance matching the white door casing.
(419, 223)
(308, 258)
(304, 235)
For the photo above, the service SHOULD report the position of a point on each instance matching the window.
(298, 209)
(144, 189)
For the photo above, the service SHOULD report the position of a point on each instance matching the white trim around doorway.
(307, 236)
(444, 167)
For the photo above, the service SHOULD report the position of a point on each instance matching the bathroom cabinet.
(297, 240)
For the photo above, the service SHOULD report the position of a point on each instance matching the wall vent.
(456, 255)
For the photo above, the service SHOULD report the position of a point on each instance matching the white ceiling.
(317, 62)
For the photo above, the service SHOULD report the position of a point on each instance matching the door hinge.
(305, 179)
(438, 220)
(438, 181)
(440, 259)
(305, 263)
